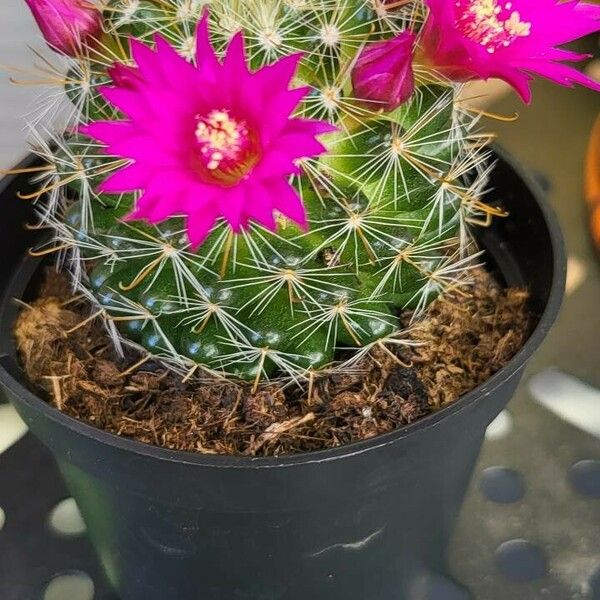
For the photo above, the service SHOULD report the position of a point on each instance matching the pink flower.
(209, 141)
(67, 24)
(383, 73)
(509, 39)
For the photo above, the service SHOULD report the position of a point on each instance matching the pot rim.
(546, 321)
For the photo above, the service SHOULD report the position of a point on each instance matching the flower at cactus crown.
(509, 39)
(383, 74)
(67, 24)
(209, 141)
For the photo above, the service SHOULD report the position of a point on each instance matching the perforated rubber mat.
(530, 528)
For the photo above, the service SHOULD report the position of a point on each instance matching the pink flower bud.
(67, 24)
(384, 74)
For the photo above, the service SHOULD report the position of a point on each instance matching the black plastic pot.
(11, 225)
(370, 521)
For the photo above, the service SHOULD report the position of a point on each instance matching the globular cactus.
(388, 205)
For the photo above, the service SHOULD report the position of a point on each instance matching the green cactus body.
(387, 206)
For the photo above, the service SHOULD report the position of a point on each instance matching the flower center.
(491, 24)
(226, 148)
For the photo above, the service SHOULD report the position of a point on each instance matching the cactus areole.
(256, 189)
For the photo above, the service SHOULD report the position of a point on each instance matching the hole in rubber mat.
(585, 478)
(12, 428)
(520, 560)
(568, 397)
(70, 586)
(500, 427)
(2, 518)
(502, 485)
(65, 519)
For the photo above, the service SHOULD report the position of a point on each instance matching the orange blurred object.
(592, 182)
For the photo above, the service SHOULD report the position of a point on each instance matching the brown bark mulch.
(70, 361)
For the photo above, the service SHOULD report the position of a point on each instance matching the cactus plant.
(388, 205)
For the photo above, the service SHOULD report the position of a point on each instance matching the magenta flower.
(209, 141)
(383, 74)
(509, 39)
(67, 24)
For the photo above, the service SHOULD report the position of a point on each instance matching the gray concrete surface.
(17, 31)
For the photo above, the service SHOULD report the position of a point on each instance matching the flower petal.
(287, 201)
(231, 207)
(178, 172)
(200, 224)
(520, 36)
(128, 179)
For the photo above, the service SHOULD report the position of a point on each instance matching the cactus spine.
(389, 205)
